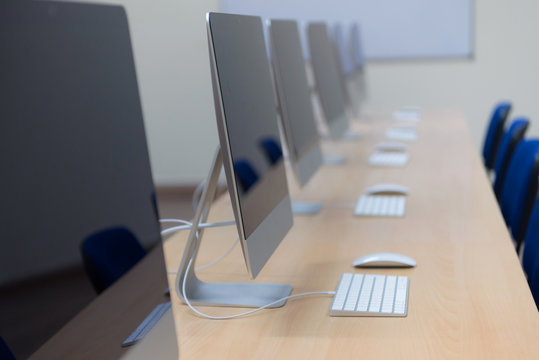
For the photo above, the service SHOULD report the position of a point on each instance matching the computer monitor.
(294, 98)
(358, 57)
(347, 69)
(327, 79)
(74, 146)
(251, 152)
(74, 152)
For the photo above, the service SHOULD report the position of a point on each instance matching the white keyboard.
(380, 205)
(371, 295)
(407, 115)
(381, 158)
(402, 134)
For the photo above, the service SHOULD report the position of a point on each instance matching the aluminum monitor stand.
(219, 294)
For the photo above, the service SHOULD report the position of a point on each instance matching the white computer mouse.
(384, 260)
(387, 188)
(392, 146)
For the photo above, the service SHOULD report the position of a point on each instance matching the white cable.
(189, 225)
(220, 257)
(247, 312)
(202, 267)
(180, 221)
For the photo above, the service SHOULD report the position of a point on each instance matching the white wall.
(176, 89)
(506, 66)
(170, 49)
(171, 55)
(169, 40)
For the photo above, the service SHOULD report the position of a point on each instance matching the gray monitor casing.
(74, 149)
(327, 79)
(243, 92)
(294, 97)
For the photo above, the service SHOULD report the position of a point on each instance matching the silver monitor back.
(294, 97)
(327, 79)
(356, 46)
(358, 57)
(249, 135)
(347, 70)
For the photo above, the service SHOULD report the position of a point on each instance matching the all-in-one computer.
(250, 150)
(327, 79)
(295, 106)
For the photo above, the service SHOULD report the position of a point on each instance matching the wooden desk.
(468, 295)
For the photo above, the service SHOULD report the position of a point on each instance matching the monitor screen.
(294, 98)
(249, 134)
(327, 78)
(356, 46)
(74, 149)
(343, 51)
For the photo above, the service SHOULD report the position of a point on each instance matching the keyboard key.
(376, 297)
(380, 205)
(381, 158)
(353, 296)
(365, 295)
(342, 291)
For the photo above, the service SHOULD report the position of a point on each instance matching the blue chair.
(530, 253)
(107, 255)
(533, 281)
(273, 151)
(495, 133)
(5, 352)
(512, 137)
(520, 188)
(245, 173)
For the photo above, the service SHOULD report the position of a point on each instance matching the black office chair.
(5, 352)
(512, 137)
(495, 133)
(107, 255)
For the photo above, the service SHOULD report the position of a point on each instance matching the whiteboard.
(391, 29)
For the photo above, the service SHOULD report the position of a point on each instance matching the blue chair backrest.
(495, 132)
(512, 137)
(533, 281)
(245, 174)
(109, 254)
(520, 188)
(273, 151)
(5, 352)
(530, 253)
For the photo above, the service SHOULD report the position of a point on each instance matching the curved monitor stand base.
(350, 135)
(306, 208)
(334, 160)
(219, 294)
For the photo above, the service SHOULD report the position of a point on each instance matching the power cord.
(243, 313)
(189, 225)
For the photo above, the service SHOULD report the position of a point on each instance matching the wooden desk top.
(468, 295)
